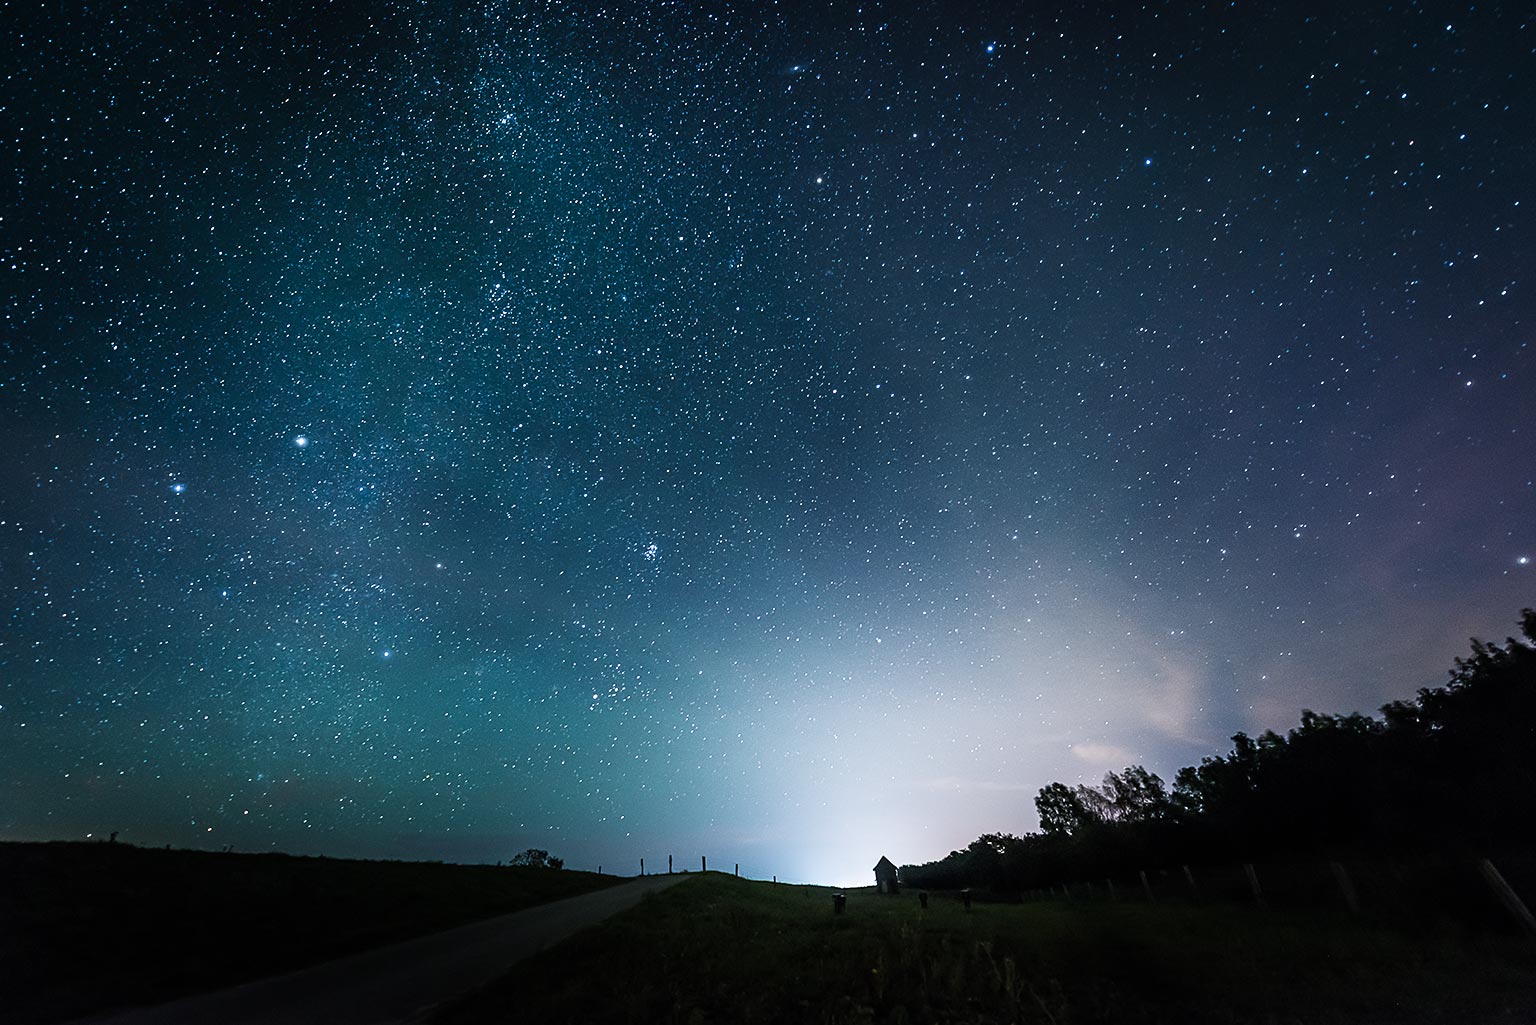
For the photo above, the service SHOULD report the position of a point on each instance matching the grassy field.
(85, 927)
(720, 949)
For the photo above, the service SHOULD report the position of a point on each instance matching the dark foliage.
(533, 857)
(1449, 770)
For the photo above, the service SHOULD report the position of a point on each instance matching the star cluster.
(792, 433)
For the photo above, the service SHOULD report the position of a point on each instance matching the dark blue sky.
(794, 437)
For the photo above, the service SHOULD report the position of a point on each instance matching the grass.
(87, 927)
(720, 949)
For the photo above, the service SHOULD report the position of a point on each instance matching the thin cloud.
(961, 785)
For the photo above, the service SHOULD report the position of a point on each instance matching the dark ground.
(724, 950)
(402, 983)
(91, 926)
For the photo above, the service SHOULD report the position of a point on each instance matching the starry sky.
(789, 433)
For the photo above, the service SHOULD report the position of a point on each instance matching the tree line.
(1454, 768)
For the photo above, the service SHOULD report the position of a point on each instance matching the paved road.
(398, 983)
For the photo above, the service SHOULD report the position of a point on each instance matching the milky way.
(791, 437)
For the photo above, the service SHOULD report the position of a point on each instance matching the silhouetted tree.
(1451, 766)
(1134, 795)
(1062, 810)
(533, 857)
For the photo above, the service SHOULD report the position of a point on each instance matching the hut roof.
(884, 865)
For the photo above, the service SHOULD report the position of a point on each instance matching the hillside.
(89, 926)
(720, 949)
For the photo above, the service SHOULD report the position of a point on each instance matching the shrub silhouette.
(533, 857)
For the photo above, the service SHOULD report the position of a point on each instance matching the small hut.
(885, 876)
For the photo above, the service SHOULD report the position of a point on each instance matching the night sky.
(786, 433)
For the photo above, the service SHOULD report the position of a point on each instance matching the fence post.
(1146, 886)
(1189, 877)
(1346, 887)
(1112, 894)
(1066, 890)
(642, 866)
(1507, 895)
(703, 863)
(738, 868)
(1253, 884)
(669, 864)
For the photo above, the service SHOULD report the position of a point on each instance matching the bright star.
(301, 441)
(178, 488)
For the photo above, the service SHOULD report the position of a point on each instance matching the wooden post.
(1189, 877)
(642, 866)
(1346, 887)
(599, 868)
(703, 863)
(669, 864)
(738, 870)
(1147, 887)
(1066, 890)
(1253, 884)
(1112, 894)
(1507, 895)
